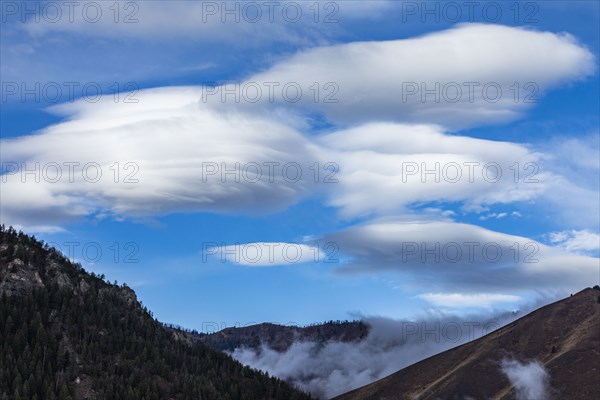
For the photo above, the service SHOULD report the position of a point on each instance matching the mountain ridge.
(280, 337)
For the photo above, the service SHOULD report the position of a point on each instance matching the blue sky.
(169, 223)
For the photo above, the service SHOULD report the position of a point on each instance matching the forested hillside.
(68, 334)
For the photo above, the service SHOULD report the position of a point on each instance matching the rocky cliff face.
(32, 271)
(18, 277)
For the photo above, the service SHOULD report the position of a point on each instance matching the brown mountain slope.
(564, 336)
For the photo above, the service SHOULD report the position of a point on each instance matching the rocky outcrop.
(18, 278)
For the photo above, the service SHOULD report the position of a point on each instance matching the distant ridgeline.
(68, 334)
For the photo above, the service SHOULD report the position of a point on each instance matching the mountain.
(68, 334)
(564, 338)
(280, 337)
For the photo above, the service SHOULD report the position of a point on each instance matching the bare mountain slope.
(563, 336)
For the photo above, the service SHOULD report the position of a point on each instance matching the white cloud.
(385, 168)
(476, 300)
(33, 229)
(375, 79)
(283, 21)
(177, 145)
(497, 215)
(574, 241)
(530, 380)
(266, 254)
(138, 47)
(575, 196)
(201, 21)
(181, 154)
(171, 135)
(452, 257)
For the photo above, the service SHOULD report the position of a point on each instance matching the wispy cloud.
(530, 380)
(460, 300)
(576, 241)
